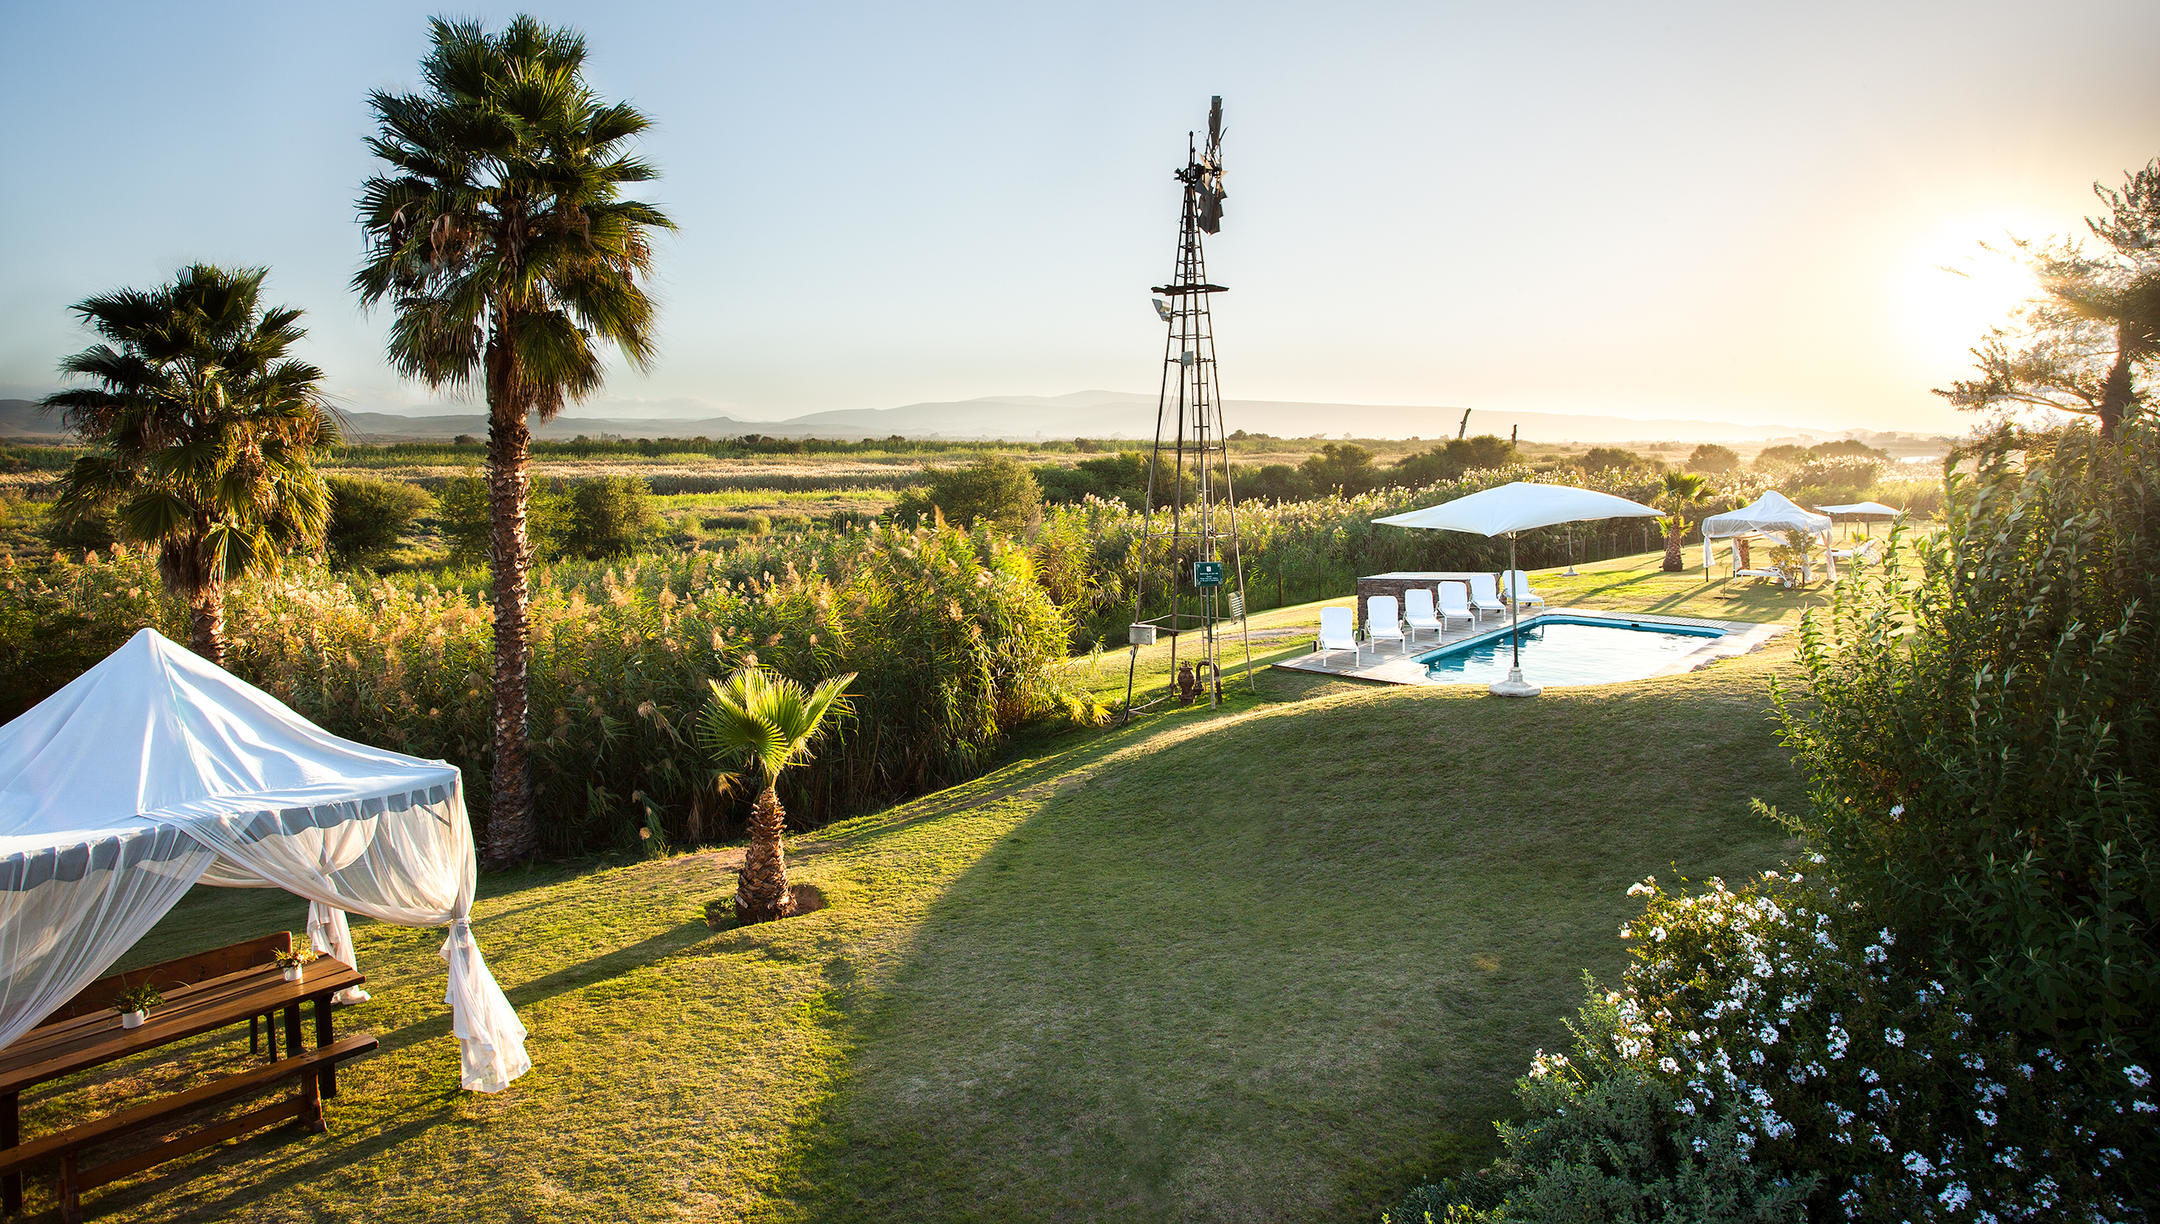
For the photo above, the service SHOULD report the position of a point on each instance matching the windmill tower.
(1192, 578)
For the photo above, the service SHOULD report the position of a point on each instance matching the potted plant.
(134, 1002)
(296, 958)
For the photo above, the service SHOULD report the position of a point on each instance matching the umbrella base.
(1515, 686)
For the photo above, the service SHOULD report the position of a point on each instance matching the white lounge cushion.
(1455, 603)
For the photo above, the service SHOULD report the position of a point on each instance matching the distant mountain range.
(1082, 414)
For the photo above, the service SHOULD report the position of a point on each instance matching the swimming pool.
(1558, 651)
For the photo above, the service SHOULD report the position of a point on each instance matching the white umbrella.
(1506, 510)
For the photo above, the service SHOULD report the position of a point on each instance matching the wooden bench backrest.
(181, 971)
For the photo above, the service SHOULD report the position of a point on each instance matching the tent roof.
(1866, 509)
(157, 734)
(1519, 506)
(1773, 511)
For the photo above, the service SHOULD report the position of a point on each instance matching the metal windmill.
(1192, 578)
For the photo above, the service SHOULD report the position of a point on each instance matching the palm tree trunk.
(206, 621)
(1675, 537)
(761, 888)
(512, 834)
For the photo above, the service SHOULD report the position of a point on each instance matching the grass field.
(1277, 961)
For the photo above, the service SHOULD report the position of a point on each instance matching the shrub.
(1768, 1056)
(1612, 458)
(461, 515)
(369, 517)
(992, 490)
(1983, 741)
(607, 516)
(755, 524)
(955, 641)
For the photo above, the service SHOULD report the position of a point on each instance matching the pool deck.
(1390, 665)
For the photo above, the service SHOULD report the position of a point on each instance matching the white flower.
(1895, 1036)
(1896, 810)
(1954, 1196)
(2137, 1076)
(1986, 1118)
(1916, 1163)
(1644, 889)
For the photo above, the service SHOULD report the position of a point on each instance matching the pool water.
(1558, 651)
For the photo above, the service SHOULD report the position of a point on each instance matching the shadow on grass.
(1280, 966)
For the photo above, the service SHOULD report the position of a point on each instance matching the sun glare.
(1955, 283)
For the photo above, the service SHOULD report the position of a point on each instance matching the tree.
(1714, 459)
(1682, 490)
(1451, 459)
(1784, 455)
(500, 235)
(992, 490)
(765, 724)
(1345, 469)
(204, 433)
(2091, 339)
(369, 517)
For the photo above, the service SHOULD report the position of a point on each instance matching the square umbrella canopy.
(1506, 510)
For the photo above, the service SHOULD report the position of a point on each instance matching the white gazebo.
(156, 770)
(1772, 512)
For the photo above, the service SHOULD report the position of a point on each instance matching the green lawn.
(1274, 962)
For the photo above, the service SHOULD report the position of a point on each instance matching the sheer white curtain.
(68, 912)
(408, 859)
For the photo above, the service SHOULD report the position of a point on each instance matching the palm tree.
(766, 723)
(500, 236)
(205, 433)
(1682, 489)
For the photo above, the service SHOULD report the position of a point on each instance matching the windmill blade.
(1162, 308)
(1214, 123)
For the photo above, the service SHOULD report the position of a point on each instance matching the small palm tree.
(499, 233)
(1682, 489)
(765, 724)
(204, 433)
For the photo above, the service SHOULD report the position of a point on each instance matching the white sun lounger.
(1455, 603)
(1338, 631)
(1485, 595)
(1518, 589)
(1382, 623)
(1418, 612)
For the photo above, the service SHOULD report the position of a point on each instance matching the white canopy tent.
(1868, 512)
(156, 770)
(1772, 512)
(1507, 509)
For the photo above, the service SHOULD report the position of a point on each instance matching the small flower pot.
(292, 972)
(131, 1019)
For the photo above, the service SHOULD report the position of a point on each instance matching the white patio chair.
(1518, 589)
(1383, 623)
(1338, 631)
(1455, 603)
(1418, 612)
(1485, 595)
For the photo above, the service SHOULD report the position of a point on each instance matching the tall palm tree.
(204, 433)
(766, 724)
(1682, 489)
(500, 236)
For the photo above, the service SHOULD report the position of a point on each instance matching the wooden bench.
(98, 996)
(68, 1145)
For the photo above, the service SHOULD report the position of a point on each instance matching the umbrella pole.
(1514, 685)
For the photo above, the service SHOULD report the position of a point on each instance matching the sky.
(1726, 211)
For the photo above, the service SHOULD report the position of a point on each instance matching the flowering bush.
(1769, 1056)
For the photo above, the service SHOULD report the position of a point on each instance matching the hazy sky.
(1646, 209)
